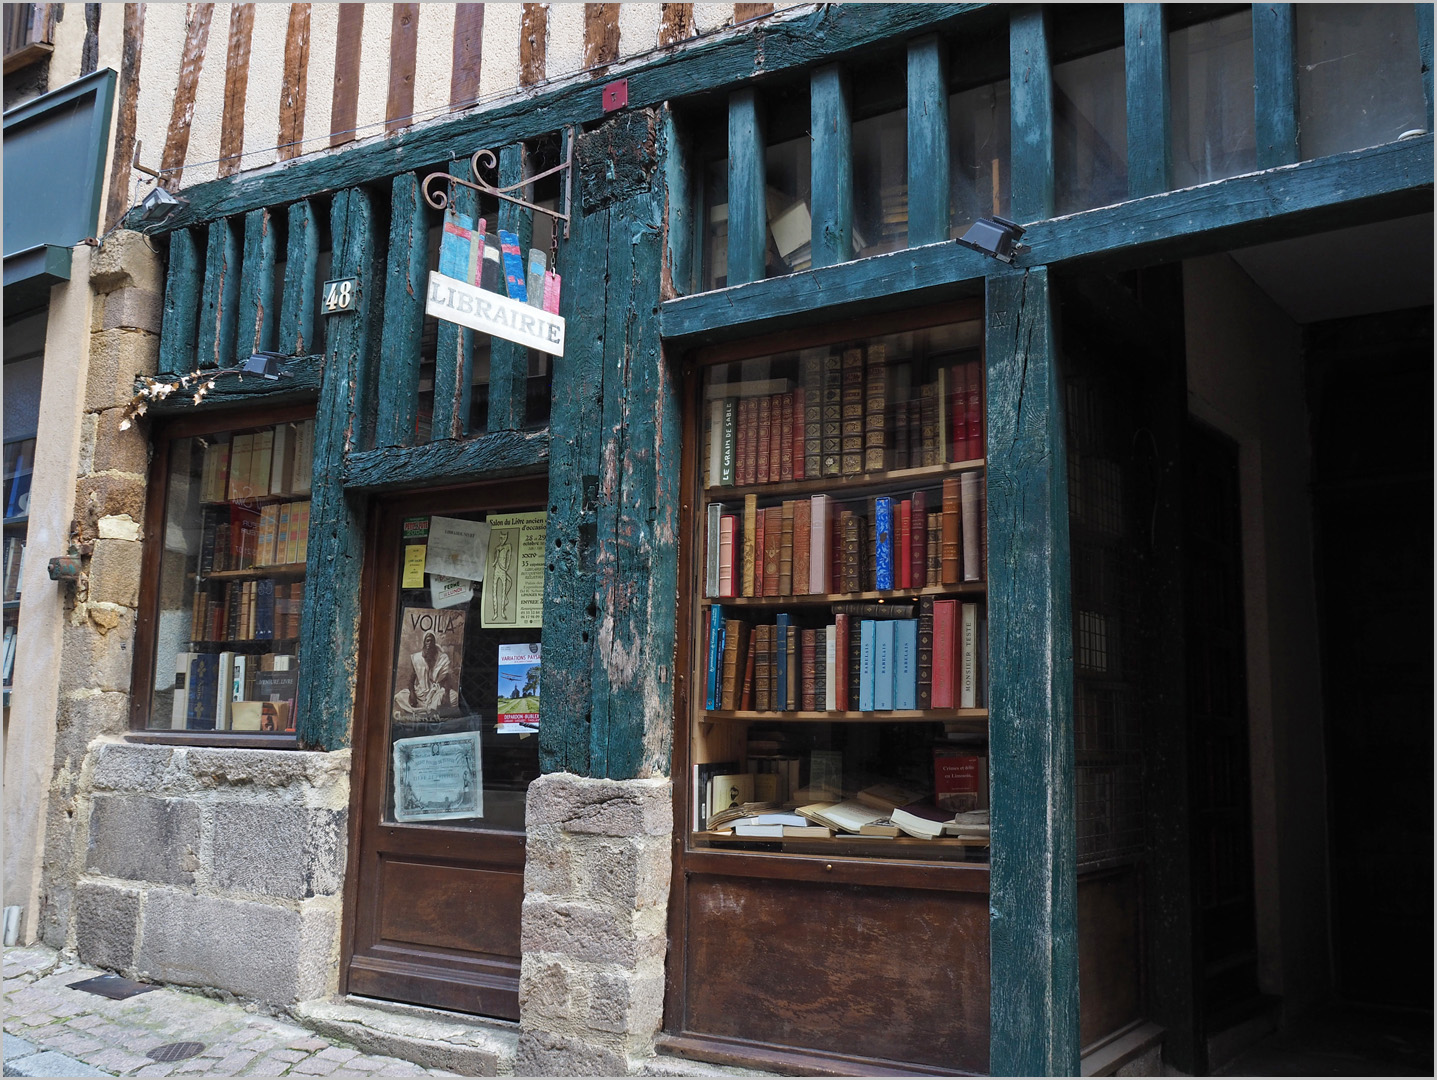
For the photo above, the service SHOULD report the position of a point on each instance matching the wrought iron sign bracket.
(438, 198)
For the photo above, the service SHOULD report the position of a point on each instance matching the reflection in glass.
(1212, 100)
(1359, 76)
(880, 183)
(787, 174)
(715, 227)
(1090, 132)
(978, 137)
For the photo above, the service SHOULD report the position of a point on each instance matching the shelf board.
(17, 521)
(851, 716)
(968, 588)
(254, 573)
(842, 839)
(891, 479)
(260, 500)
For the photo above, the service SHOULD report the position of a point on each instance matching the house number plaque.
(339, 295)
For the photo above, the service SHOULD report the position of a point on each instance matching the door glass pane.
(464, 691)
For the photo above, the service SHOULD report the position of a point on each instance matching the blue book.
(454, 244)
(883, 664)
(782, 662)
(866, 641)
(514, 280)
(905, 664)
(883, 543)
(200, 688)
(715, 654)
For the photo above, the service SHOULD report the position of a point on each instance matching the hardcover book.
(883, 664)
(951, 530)
(883, 543)
(750, 536)
(905, 663)
(802, 545)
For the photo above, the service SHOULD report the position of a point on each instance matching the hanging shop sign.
(468, 305)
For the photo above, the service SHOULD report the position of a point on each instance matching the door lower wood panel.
(853, 970)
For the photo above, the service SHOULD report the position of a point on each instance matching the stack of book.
(234, 691)
(272, 461)
(239, 537)
(260, 610)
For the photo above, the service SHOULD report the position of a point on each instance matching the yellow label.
(413, 566)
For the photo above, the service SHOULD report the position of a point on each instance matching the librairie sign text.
(479, 309)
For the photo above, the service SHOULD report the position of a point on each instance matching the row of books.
(852, 413)
(233, 691)
(871, 658)
(262, 610)
(272, 461)
(14, 564)
(817, 545)
(238, 537)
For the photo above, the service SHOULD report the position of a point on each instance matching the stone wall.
(596, 888)
(215, 868)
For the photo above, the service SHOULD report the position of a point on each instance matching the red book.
(800, 432)
(726, 531)
(957, 413)
(785, 458)
(840, 662)
(904, 569)
(835, 549)
(918, 569)
(775, 437)
(765, 426)
(746, 697)
(749, 443)
(945, 625)
(960, 780)
(772, 548)
(808, 666)
(802, 544)
(975, 409)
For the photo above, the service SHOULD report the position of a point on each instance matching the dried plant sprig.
(201, 382)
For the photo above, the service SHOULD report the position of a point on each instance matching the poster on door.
(514, 572)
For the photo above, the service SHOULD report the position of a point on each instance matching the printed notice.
(518, 688)
(457, 547)
(447, 592)
(437, 778)
(413, 567)
(514, 574)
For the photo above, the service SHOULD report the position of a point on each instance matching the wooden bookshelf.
(852, 485)
(257, 500)
(968, 588)
(851, 716)
(255, 573)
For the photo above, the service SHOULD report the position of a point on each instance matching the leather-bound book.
(952, 503)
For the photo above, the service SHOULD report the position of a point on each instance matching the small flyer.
(457, 547)
(514, 575)
(445, 592)
(438, 777)
(413, 567)
(518, 688)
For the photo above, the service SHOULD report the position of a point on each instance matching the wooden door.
(436, 875)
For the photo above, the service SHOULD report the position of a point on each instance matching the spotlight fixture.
(263, 363)
(158, 205)
(997, 237)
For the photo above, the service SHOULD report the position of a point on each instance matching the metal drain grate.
(175, 1051)
(111, 986)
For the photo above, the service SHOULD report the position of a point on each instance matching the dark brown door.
(445, 748)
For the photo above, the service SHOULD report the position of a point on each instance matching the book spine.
(935, 545)
(785, 446)
(715, 635)
(883, 543)
(809, 670)
(943, 415)
(943, 630)
(750, 535)
(750, 442)
(974, 378)
(972, 538)
(813, 414)
(712, 554)
(760, 541)
(852, 430)
(925, 653)
(775, 437)
(951, 518)
(928, 422)
(793, 651)
(831, 442)
(903, 571)
(765, 460)
(773, 548)
(726, 531)
(905, 664)
(840, 663)
(715, 443)
(781, 662)
(918, 544)
(883, 644)
(785, 553)
(802, 545)
(875, 416)
(818, 544)
(850, 581)
(800, 434)
(746, 694)
(726, 460)
(866, 642)
(516, 282)
(830, 667)
(728, 680)
(968, 694)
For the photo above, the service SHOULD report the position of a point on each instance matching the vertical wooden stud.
(192, 62)
(403, 48)
(118, 200)
(1145, 53)
(398, 387)
(301, 284)
(601, 34)
(928, 157)
(1424, 52)
(1031, 82)
(832, 157)
(1033, 889)
(1274, 69)
(258, 321)
(454, 352)
(508, 360)
(182, 303)
(533, 43)
(747, 211)
(467, 55)
(236, 87)
(220, 297)
(684, 181)
(676, 24)
(293, 91)
(329, 640)
(344, 105)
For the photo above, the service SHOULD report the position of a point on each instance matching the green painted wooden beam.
(449, 461)
(301, 282)
(831, 129)
(1145, 55)
(1274, 68)
(1033, 924)
(1345, 189)
(747, 212)
(298, 381)
(219, 297)
(1031, 83)
(787, 44)
(182, 303)
(454, 353)
(329, 639)
(406, 276)
(1424, 51)
(257, 323)
(508, 361)
(684, 177)
(929, 216)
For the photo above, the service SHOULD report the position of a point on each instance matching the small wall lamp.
(997, 237)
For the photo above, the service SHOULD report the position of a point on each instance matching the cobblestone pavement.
(46, 1023)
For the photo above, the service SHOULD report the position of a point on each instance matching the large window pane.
(1212, 100)
(1090, 132)
(979, 122)
(880, 183)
